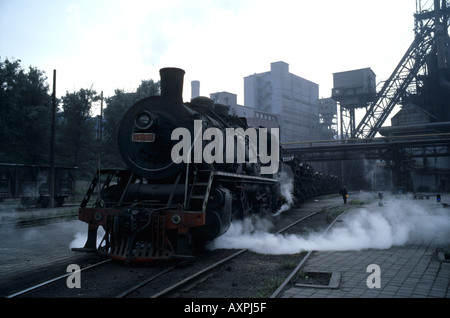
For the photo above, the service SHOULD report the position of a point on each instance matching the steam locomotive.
(178, 191)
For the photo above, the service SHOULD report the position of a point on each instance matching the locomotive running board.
(244, 177)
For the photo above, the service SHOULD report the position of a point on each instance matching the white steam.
(81, 237)
(287, 189)
(396, 223)
(79, 240)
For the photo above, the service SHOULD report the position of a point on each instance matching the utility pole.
(99, 143)
(51, 175)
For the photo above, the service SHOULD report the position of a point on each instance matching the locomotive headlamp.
(144, 120)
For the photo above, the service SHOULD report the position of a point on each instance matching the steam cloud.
(397, 223)
(81, 237)
(287, 189)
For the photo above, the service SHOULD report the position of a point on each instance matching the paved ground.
(30, 248)
(22, 249)
(408, 270)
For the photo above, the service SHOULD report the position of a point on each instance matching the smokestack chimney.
(172, 83)
(195, 89)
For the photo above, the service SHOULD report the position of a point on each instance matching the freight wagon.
(30, 184)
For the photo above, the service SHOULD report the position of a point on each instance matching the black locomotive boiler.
(162, 207)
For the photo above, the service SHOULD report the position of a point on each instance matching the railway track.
(294, 274)
(154, 282)
(32, 217)
(179, 288)
(50, 281)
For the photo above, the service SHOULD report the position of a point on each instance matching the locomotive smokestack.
(172, 83)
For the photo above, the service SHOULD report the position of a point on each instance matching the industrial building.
(280, 99)
(328, 124)
(255, 118)
(294, 99)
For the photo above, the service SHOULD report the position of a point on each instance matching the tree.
(146, 89)
(117, 105)
(25, 110)
(25, 120)
(77, 133)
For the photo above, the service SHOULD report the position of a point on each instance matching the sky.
(111, 44)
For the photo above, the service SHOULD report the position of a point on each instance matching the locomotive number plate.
(143, 137)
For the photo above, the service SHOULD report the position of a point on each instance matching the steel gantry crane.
(431, 38)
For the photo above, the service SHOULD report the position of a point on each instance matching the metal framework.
(375, 148)
(401, 80)
(396, 86)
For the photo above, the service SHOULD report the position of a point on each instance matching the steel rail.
(208, 269)
(293, 275)
(145, 282)
(22, 292)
